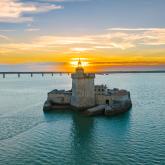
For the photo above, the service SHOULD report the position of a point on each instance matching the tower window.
(107, 102)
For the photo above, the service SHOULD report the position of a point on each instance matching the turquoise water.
(28, 136)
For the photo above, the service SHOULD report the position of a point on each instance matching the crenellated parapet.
(83, 76)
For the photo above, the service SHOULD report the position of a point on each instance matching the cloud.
(7, 30)
(142, 36)
(16, 20)
(13, 10)
(81, 49)
(38, 67)
(112, 40)
(118, 40)
(32, 29)
(4, 37)
(136, 29)
(63, 40)
(63, 0)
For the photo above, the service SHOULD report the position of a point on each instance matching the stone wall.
(120, 95)
(59, 98)
(83, 94)
(120, 98)
(102, 99)
(100, 89)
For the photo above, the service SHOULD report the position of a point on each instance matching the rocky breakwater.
(121, 102)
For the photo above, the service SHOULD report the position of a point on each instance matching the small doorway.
(107, 102)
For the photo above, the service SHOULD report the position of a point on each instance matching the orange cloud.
(140, 47)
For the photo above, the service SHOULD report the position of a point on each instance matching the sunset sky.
(50, 35)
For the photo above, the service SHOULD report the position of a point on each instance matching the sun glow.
(74, 62)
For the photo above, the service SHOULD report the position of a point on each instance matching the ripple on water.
(28, 136)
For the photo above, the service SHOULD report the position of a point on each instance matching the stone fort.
(84, 93)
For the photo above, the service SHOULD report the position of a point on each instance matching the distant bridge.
(31, 73)
(61, 73)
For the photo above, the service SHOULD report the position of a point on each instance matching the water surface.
(28, 136)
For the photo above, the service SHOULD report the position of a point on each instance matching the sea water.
(30, 136)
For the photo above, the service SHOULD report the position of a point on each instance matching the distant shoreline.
(148, 71)
(106, 72)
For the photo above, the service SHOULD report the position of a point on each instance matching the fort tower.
(83, 90)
